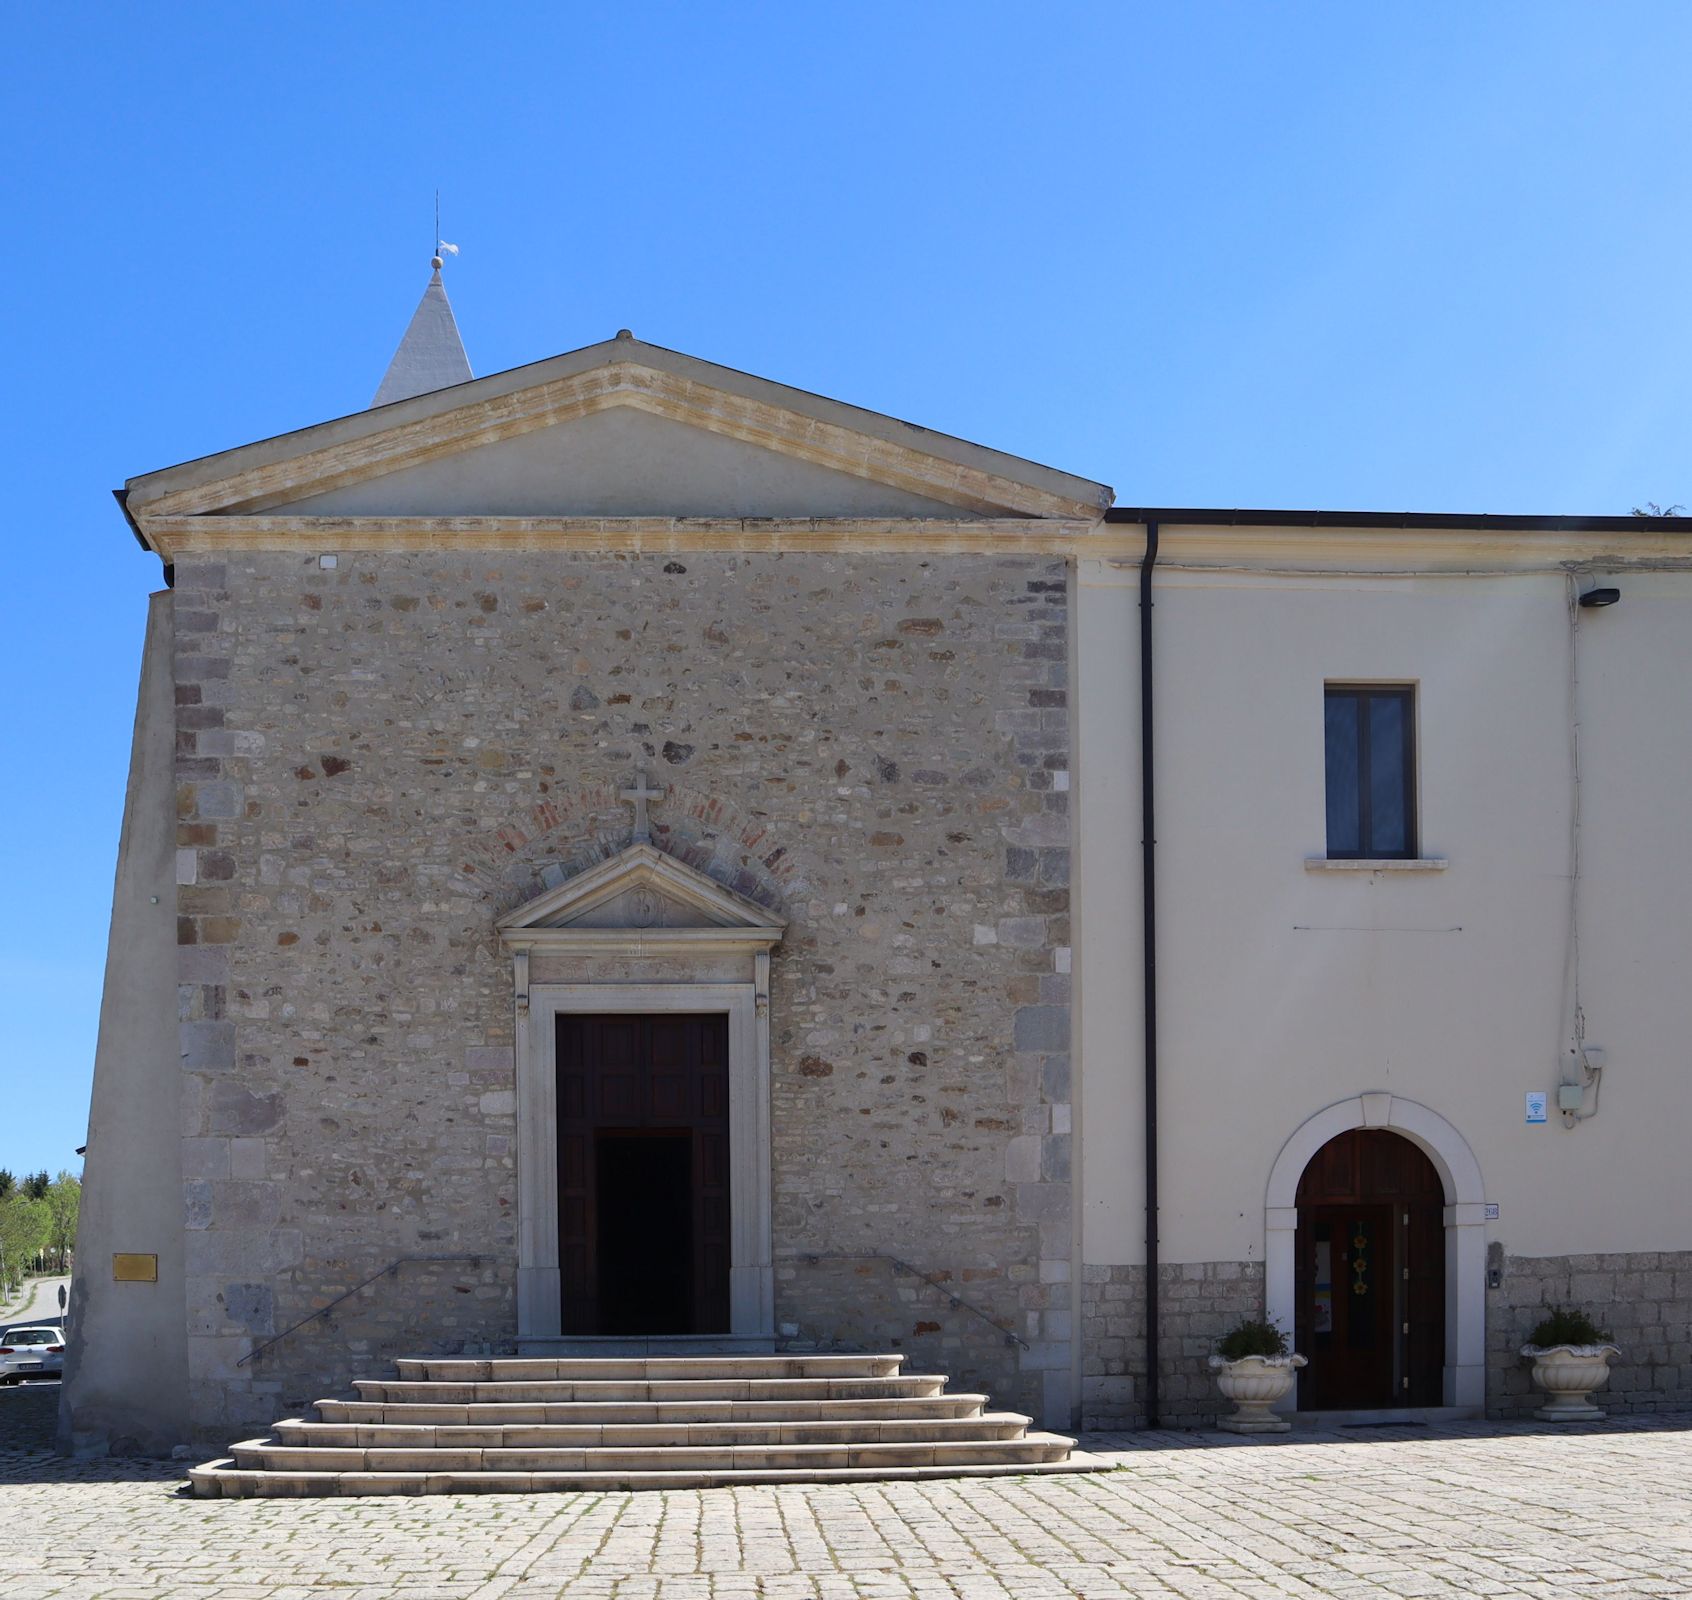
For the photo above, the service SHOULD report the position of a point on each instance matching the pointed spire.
(431, 355)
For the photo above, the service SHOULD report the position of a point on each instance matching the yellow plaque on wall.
(135, 1269)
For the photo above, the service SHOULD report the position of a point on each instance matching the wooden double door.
(643, 1173)
(1370, 1275)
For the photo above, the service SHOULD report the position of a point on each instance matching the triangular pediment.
(621, 429)
(621, 461)
(638, 890)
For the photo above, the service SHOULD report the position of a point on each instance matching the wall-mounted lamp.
(1599, 597)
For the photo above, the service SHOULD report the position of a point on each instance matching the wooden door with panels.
(1370, 1275)
(643, 1173)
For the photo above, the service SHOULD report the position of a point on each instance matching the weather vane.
(442, 248)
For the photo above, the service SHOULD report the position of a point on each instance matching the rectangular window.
(1371, 767)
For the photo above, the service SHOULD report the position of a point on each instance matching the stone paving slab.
(1495, 1510)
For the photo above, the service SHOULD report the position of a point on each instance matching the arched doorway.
(1370, 1274)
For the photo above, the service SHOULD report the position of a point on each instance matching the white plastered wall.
(1107, 960)
(126, 1365)
(1283, 991)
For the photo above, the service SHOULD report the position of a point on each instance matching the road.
(37, 1307)
(40, 1305)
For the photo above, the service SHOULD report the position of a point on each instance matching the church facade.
(625, 854)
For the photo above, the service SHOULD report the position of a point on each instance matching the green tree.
(63, 1201)
(25, 1226)
(7, 1182)
(37, 1184)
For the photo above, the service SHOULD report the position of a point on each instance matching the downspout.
(1148, 901)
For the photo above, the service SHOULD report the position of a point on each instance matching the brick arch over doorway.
(1464, 1377)
(559, 835)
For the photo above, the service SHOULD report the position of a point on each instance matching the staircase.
(452, 1425)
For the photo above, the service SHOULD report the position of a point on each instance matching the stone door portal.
(1371, 1275)
(643, 1173)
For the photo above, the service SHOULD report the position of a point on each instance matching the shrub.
(1252, 1338)
(1558, 1326)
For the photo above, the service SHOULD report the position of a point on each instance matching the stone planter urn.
(1254, 1384)
(1569, 1374)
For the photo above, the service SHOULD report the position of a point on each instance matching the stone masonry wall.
(1198, 1301)
(1642, 1299)
(379, 757)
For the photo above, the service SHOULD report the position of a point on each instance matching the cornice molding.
(174, 537)
(1297, 549)
(643, 941)
(1390, 550)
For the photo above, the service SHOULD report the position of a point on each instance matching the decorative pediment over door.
(641, 900)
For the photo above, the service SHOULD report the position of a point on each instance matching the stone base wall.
(1113, 1346)
(1643, 1299)
(1198, 1302)
(422, 1308)
(867, 1303)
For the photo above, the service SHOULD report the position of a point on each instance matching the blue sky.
(1392, 256)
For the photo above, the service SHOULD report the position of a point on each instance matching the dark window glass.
(1370, 778)
(1343, 808)
(1388, 814)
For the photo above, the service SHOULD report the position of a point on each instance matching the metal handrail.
(958, 1302)
(323, 1311)
(898, 1264)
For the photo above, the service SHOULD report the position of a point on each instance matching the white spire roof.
(431, 355)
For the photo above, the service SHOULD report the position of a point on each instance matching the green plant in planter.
(1249, 1337)
(1256, 1371)
(1558, 1326)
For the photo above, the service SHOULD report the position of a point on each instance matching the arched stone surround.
(1465, 1227)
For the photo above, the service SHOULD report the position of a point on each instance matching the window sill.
(1376, 864)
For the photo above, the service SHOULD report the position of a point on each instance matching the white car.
(31, 1353)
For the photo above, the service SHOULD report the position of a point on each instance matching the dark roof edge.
(1190, 516)
(122, 498)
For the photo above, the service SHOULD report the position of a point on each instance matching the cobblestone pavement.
(1474, 1509)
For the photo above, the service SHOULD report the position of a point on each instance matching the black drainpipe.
(1148, 899)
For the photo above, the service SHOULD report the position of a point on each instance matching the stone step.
(576, 1369)
(525, 1424)
(859, 1430)
(949, 1404)
(262, 1455)
(391, 1389)
(224, 1478)
(267, 1456)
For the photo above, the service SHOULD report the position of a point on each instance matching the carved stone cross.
(640, 794)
